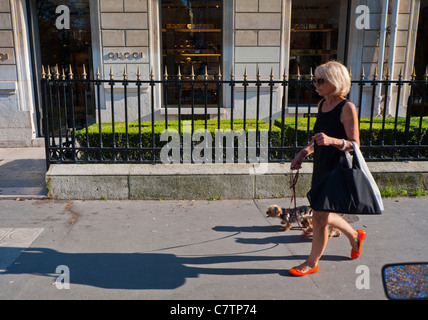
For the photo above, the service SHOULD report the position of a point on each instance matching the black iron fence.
(191, 119)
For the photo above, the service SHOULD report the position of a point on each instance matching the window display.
(192, 43)
(313, 41)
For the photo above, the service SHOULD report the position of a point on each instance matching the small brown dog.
(304, 216)
(288, 217)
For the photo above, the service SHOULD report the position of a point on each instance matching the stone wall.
(258, 32)
(364, 50)
(16, 108)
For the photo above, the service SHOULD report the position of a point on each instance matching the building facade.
(200, 38)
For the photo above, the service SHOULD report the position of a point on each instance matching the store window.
(421, 52)
(192, 40)
(61, 36)
(313, 41)
(421, 62)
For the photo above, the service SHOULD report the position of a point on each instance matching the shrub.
(130, 145)
(376, 135)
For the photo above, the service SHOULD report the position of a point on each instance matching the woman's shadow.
(146, 271)
(138, 271)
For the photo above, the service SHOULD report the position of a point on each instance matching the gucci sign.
(4, 56)
(125, 55)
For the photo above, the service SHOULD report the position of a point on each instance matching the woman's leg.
(319, 240)
(320, 220)
(337, 221)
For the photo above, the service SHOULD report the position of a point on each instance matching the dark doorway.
(60, 36)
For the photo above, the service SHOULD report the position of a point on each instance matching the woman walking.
(335, 128)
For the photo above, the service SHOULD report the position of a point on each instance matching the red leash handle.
(293, 179)
(293, 182)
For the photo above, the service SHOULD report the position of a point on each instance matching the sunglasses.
(319, 81)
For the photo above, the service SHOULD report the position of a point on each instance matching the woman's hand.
(324, 140)
(296, 164)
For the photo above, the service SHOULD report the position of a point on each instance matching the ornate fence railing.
(205, 118)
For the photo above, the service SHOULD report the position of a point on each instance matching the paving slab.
(12, 243)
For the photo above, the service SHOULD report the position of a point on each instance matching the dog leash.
(293, 182)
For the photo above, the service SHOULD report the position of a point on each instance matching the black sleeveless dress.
(327, 158)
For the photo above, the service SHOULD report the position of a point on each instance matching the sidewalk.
(134, 249)
(193, 250)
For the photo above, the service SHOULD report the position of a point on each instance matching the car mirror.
(406, 281)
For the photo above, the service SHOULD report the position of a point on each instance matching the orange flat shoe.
(297, 273)
(361, 236)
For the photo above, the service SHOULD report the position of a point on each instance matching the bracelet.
(344, 145)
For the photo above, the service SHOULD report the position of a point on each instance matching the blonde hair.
(337, 74)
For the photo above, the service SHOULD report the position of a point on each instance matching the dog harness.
(285, 215)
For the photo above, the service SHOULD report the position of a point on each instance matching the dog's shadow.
(289, 239)
(249, 229)
(282, 238)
